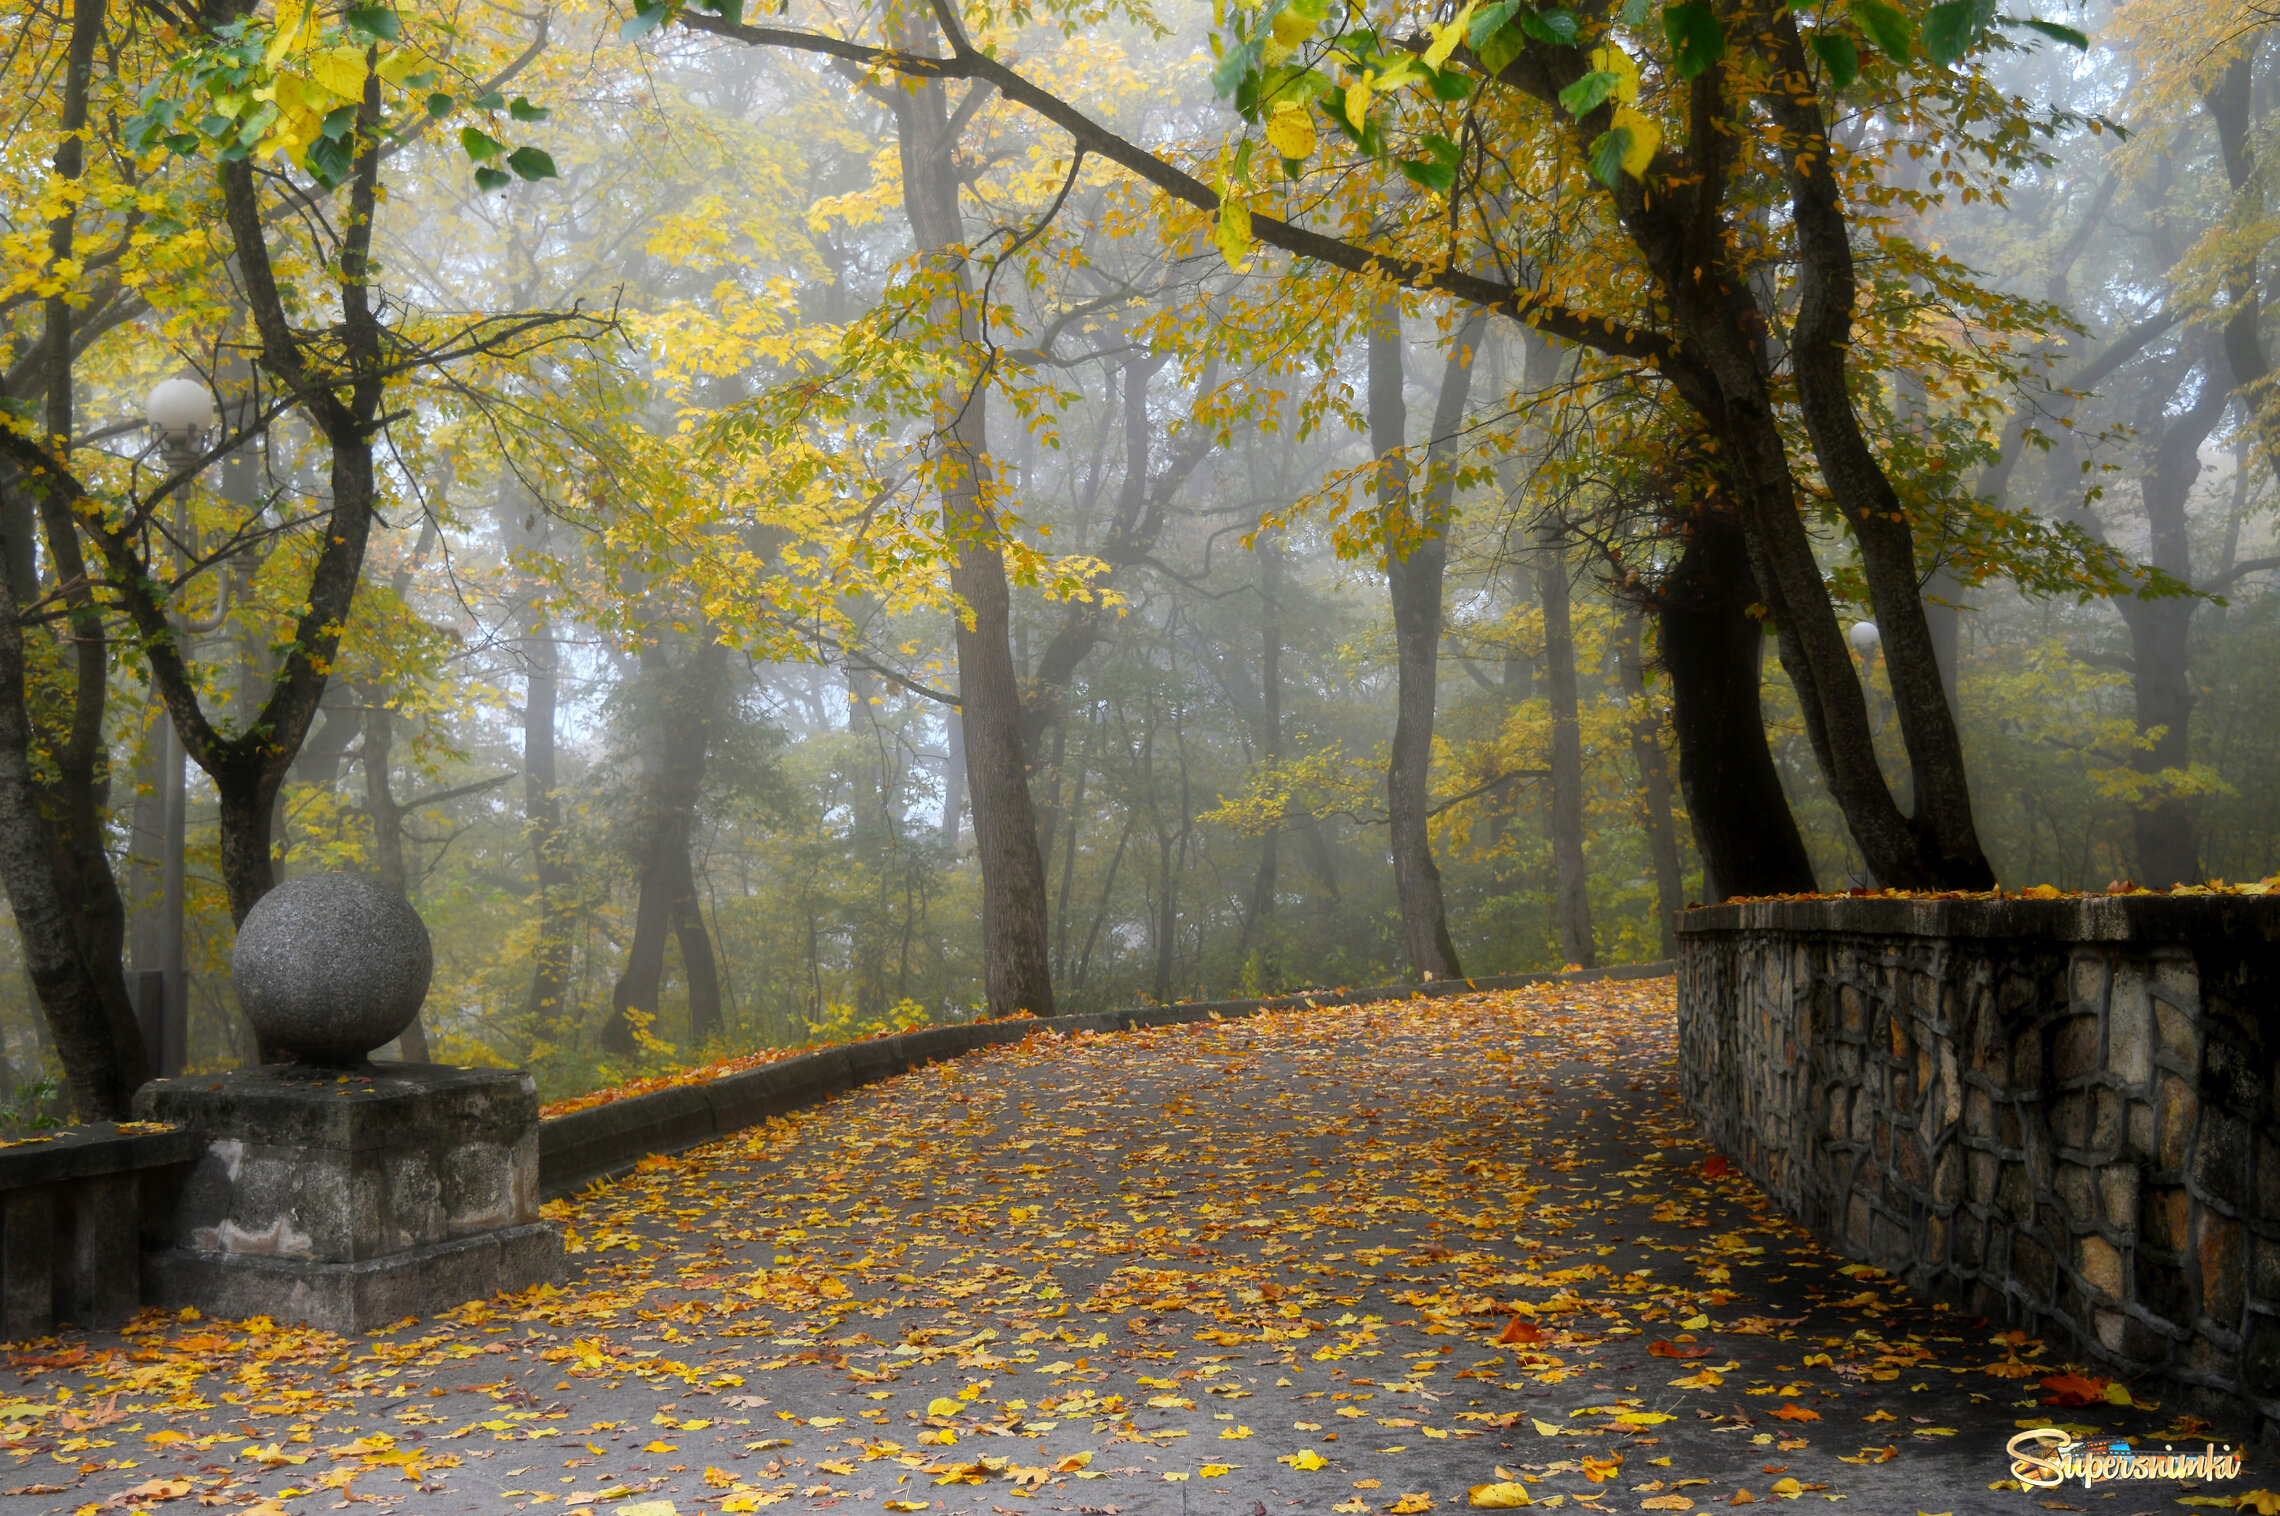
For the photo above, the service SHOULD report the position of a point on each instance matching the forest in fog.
(769, 527)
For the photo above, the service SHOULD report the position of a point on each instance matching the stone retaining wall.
(607, 1140)
(2063, 1114)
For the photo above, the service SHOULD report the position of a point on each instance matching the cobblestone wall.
(2063, 1115)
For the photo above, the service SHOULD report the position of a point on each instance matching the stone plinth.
(350, 1198)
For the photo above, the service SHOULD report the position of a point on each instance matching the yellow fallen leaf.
(1666, 1503)
(1504, 1495)
(1072, 1463)
(1544, 1428)
(1306, 1459)
(1234, 1434)
(647, 1508)
(1411, 1505)
(943, 1405)
(1215, 1470)
(660, 1447)
(908, 1505)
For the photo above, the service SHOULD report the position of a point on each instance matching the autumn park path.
(1356, 1260)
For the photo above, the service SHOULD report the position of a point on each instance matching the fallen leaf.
(1504, 1495)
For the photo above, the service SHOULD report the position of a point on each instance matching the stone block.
(2264, 1271)
(1983, 1168)
(2164, 1212)
(2220, 1158)
(2141, 1129)
(2074, 1048)
(1979, 1113)
(2111, 1327)
(1903, 1045)
(2070, 1119)
(2118, 1196)
(27, 1270)
(2077, 1192)
(1947, 1176)
(2032, 1266)
(2220, 1256)
(2087, 983)
(2260, 1357)
(2107, 1110)
(2180, 1039)
(2129, 1028)
(2158, 1285)
(2099, 1263)
(2177, 1111)
(1852, 1011)
(348, 1199)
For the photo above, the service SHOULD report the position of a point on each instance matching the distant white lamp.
(1865, 638)
(180, 413)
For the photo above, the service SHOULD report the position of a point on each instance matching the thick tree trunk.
(1016, 949)
(1713, 649)
(2166, 830)
(1417, 555)
(682, 706)
(1654, 786)
(102, 1053)
(1570, 879)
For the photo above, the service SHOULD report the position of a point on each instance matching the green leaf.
(440, 105)
(1451, 85)
(523, 110)
(1838, 56)
(531, 163)
(494, 101)
(1499, 51)
(1953, 29)
(1432, 176)
(480, 146)
(1559, 28)
(1886, 27)
(339, 122)
(1635, 12)
(1489, 20)
(374, 21)
(329, 159)
(1695, 36)
(1584, 96)
(1607, 155)
(491, 179)
(2079, 41)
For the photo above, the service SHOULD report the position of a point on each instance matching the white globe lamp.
(180, 413)
(1865, 638)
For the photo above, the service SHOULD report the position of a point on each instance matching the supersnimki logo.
(2047, 1457)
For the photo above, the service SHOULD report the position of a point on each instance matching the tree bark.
(1265, 882)
(1570, 878)
(1417, 556)
(1016, 950)
(1713, 649)
(682, 707)
(1654, 785)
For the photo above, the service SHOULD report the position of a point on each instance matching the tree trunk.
(1264, 884)
(388, 829)
(1016, 949)
(549, 995)
(1654, 786)
(103, 1058)
(2165, 829)
(681, 707)
(1417, 555)
(1713, 649)
(1571, 880)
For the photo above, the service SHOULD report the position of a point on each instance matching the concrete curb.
(608, 1140)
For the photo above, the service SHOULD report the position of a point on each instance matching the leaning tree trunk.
(1713, 648)
(1016, 950)
(1417, 556)
(1571, 880)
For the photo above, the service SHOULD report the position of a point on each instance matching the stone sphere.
(331, 966)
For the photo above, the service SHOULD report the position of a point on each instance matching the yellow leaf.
(908, 1505)
(1232, 233)
(647, 1508)
(1290, 130)
(1544, 1428)
(1358, 102)
(1072, 1463)
(661, 1447)
(944, 1406)
(1504, 1495)
(1613, 60)
(1214, 1470)
(1234, 1434)
(1306, 1459)
(1410, 1505)
(1645, 138)
(1446, 37)
(339, 71)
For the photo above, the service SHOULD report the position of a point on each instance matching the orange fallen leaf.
(1790, 1411)
(2074, 1389)
(1520, 1329)
(1660, 1349)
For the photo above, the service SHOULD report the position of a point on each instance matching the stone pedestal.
(349, 1198)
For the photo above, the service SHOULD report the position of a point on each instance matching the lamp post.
(1865, 640)
(181, 415)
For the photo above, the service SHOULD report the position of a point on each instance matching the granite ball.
(331, 966)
